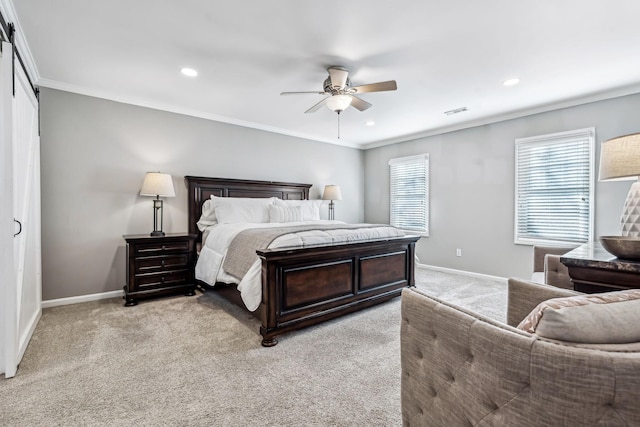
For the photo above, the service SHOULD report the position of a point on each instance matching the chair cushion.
(607, 318)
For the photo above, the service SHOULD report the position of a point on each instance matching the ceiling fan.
(342, 94)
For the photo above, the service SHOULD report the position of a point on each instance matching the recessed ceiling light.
(511, 82)
(189, 72)
(370, 123)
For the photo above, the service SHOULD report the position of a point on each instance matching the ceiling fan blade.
(318, 106)
(359, 104)
(338, 77)
(298, 93)
(376, 87)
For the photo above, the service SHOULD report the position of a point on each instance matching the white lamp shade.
(331, 192)
(620, 158)
(339, 103)
(157, 184)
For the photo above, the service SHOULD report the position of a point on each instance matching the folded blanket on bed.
(241, 253)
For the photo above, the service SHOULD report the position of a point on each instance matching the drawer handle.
(162, 263)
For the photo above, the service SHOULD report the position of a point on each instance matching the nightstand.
(159, 265)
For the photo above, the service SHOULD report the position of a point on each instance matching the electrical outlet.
(458, 252)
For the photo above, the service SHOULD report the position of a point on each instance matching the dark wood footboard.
(303, 287)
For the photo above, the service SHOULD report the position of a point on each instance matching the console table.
(592, 269)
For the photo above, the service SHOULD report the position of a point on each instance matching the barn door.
(23, 290)
(6, 212)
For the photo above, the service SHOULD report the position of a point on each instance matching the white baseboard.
(81, 298)
(115, 294)
(463, 272)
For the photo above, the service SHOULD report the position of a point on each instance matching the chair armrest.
(523, 296)
(538, 258)
(540, 251)
(556, 273)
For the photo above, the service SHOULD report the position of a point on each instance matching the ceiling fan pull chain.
(338, 125)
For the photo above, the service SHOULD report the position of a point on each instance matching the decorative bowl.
(623, 247)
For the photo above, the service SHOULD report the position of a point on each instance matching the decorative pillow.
(310, 208)
(241, 209)
(285, 213)
(208, 217)
(608, 318)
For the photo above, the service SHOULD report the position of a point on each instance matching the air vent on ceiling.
(456, 111)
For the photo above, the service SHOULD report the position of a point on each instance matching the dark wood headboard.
(201, 189)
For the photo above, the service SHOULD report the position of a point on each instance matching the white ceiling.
(443, 55)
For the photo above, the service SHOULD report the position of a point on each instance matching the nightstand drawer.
(160, 248)
(161, 280)
(170, 262)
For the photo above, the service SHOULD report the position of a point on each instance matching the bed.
(303, 286)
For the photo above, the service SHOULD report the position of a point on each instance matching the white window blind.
(554, 188)
(409, 193)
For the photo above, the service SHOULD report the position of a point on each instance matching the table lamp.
(620, 160)
(159, 185)
(331, 192)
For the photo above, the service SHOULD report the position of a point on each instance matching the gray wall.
(472, 185)
(95, 154)
(94, 157)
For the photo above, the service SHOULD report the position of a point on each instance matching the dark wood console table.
(592, 269)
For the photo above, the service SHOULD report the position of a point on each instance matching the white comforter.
(218, 237)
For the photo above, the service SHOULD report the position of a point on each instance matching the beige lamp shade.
(157, 184)
(332, 192)
(620, 158)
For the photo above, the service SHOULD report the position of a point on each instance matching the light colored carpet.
(197, 361)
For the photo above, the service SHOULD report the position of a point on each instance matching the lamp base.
(157, 233)
(630, 220)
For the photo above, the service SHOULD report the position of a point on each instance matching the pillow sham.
(230, 210)
(208, 216)
(285, 213)
(608, 318)
(310, 208)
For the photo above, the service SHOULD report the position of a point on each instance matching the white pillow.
(230, 210)
(285, 213)
(310, 208)
(208, 217)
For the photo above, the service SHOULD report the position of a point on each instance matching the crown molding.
(125, 99)
(9, 13)
(599, 96)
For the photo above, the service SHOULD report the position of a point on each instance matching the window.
(554, 188)
(409, 193)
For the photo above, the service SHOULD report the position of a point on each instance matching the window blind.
(409, 193)
(554, 190)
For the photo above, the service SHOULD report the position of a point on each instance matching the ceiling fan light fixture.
(338, 103)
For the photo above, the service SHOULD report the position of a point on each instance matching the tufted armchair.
(547, 267)
(462, 369)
